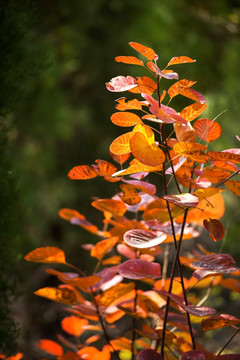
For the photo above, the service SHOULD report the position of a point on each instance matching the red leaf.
(194, 355)
(121, 83)
(143, 239)
(139, 269)
(149, 354)
(215, 228)
(229, 357)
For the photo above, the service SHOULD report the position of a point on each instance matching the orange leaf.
(62, 295)
(48, 255)
(174, 89)
(130, 195)
(120, 146)
(180, 60)
(129, 60)
(214, 175)
(121, 343)
(145, 85)
(191, 112)
(51, 347)
(112, 294)
(143, 50)
(232, 284)
(102, 247)
(73, 325)
(224, 156)
(125, 119)
(147, 154)
(120, 159)
(18, 356)
(218, 322)
(207, 130)
(77, 219)
(82, 172)
(184, 132)
(233, 186)
(113, 260)
(215, 228)
(191, 94)
(115, 207)
(84, 283)
(185, 147)
(206, 193)
(131, 104)
(136, 166)
(91, 353)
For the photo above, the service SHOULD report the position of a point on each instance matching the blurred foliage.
(56, 59)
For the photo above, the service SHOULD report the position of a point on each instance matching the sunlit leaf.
(233, 186)
(115, 207)
(125, 119)
(103, 246)
(218, 321)
(207, 130)
(73, 325)
(214, 175)
(224, 156)
(121, 83)
(185, 200)
(120, 159)
(191, 112)
(18, 356)
(61, 295)
(184, 132)
(129, 60)
(92, 353)
(84, 283)
(143, 50)
(185, 147)
(149, 354)
(50, 347)
(108, 296)
(192, 94)
(48, 255)
(145, 85)
(137, 167)
(206, 193)
(215, 228)
(142, 239)
(194, 355)
(120, 146)
(129, 105)
(174, 89)
(139, 269)
(180, 60)
(147, 154)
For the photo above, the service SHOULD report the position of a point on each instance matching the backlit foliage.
(131, 280)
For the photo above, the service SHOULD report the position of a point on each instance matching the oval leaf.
(51, 347)
(82, 172)
(48, 255)
(129, 60)
(125, 119)
(143, 239)
(61, 295)
(191, 112)
(180, 60)
(139, 269)
(233, 186)
(186, 200)
(207, 130)
(121, 83)
(73, 325)
(143, 50)
(218, 322)
(120, 146)
(115, 207)
(149, 354)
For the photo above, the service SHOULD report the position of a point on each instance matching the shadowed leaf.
(194, 355)
(51, 347)
(233, 186)
(215, 228)
(112, 294)
(149, 354)
(218, 322)
(139, 269)
(62, 295)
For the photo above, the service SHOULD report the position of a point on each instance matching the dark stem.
(103, 325)
(228, 342)
(229, 177)
(134, 322)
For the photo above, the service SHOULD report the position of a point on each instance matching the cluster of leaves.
(164, 315)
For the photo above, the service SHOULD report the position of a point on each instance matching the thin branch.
(229, 177)
(228, 342)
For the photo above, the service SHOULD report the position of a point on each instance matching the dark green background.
(56, 57)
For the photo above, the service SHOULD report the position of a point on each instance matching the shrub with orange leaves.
(165, 312)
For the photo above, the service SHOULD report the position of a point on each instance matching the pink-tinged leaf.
(194, 355)
(143, 239)
(198, 311)
(185, 200)
(192, 94)
(139, 269)
(215, 228)
(121, 83)
(142, 186)
(180, 60)
(143, 50)
(129, 60)
(168, 75)
(218, 322)
(149, 354)
(125, 119)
